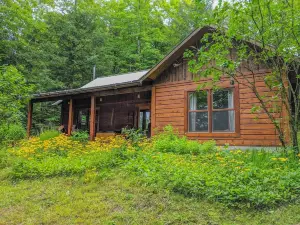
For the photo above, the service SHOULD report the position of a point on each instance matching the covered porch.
(101, 111)
(107, 115)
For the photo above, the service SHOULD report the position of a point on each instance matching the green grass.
(119, 199)
(46, 135)
(166, 185)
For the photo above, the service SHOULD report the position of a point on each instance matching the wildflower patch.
(250, 178)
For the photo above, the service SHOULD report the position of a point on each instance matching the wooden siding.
(170, 108)
(176, 72)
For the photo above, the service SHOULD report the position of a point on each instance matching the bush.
(63, 156)
(237, 178)
(62, 166)
(12, 133)
(4, 158)
(46, 135)
(81, 136)
(134, 136)
(169, 141)
(3, 130)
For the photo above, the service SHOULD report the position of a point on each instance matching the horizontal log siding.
(255, 129)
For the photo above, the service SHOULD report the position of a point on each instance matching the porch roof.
(101, 83)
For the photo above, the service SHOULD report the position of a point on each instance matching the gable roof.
(178, 50)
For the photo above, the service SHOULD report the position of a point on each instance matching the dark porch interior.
(112, 113)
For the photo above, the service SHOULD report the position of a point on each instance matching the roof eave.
(84, 90)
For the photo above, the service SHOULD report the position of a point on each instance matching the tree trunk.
(294, 136)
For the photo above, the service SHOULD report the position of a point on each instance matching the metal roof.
(116, 79)
(102, 83)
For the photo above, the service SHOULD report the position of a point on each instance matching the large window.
(211, 111)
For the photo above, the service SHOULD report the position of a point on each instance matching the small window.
(211, 111)
(223, 111)
(198, 112)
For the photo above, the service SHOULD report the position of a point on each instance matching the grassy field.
(168, 180)
(119, 199)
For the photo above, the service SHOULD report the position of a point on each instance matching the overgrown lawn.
(189, 182)
(120, 199)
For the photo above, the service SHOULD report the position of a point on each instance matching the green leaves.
(253, 178)
(257, 44)
(55, 44)
(14, 93)
(169, 141)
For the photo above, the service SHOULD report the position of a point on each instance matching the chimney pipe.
(94, 72)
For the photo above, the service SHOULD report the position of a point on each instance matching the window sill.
(212, 135)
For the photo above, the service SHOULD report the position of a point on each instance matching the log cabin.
(166, 94)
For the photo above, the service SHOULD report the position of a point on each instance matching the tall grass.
(234, 177)
(48, 134)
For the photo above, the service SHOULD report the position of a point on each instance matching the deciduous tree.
(251, 33)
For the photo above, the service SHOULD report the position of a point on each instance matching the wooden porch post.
(92, 118)
(29, 118)
(153, 109)
(70, 120)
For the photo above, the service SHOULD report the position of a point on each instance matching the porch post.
(152, 112)
(29, 118)
(70, 119)
(92, 118)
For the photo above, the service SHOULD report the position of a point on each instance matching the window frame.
(210, 110)
(198, 110)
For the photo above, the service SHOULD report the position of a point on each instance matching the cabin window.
(211, 111)
(198, 112)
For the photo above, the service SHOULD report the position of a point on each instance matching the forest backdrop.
(54, 44)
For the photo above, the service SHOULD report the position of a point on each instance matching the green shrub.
(46, 135)
(299, 138)
(169, 141)
(208, 146)
(3, 130)
(12, 133)
(237, 178)
(64, 166)
(4, 158)
(134, 136)
(81, 136)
